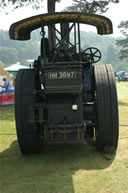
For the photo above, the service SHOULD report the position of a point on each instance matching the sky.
(117, 13)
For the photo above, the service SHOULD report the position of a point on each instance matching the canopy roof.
(15, 67)
(21, 30)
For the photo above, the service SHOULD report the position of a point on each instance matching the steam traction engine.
(65, 98)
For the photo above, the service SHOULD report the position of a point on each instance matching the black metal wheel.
(29, 134)
(106, 107)
(93, 54)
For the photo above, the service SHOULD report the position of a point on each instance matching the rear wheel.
(29, 135)
(106, 107)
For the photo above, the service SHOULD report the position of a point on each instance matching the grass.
(65, 169)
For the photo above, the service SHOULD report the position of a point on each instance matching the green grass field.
(65, 169)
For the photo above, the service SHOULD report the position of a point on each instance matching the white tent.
(15, 67)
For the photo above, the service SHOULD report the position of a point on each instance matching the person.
(7, 84)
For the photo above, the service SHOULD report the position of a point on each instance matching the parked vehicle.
(125, 78)
(121, 75)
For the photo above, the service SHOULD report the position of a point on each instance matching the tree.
(90, 6)
(8, 55)
(111, 56)
(14, 4)
(123, 43)
(36, 4)
(2, 65)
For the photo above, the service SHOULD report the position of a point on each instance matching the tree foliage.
(8, 55)
(14, 4)
(18, 51)
(2, 65)
(111, 56)
(35, 4)
(123, 43)
(90, 6)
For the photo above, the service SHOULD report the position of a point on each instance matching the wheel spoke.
(96, 56)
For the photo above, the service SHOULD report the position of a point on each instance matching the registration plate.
(62, 75)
